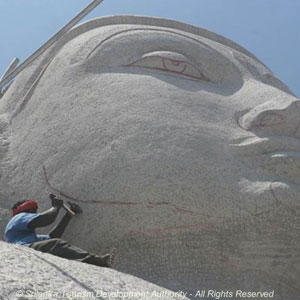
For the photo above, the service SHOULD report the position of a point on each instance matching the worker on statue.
(21, 230)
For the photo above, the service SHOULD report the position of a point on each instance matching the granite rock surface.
(29, 274)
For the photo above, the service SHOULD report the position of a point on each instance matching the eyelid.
(170, 62)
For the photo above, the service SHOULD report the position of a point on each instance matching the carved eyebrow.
(147, 29)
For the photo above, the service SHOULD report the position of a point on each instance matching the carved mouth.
(276, 155)
(255, 145)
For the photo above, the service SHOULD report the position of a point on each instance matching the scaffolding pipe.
(6, 78)
(10, 68)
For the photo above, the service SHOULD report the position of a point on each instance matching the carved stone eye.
(170, 62)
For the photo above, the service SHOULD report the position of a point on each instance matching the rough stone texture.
(29, 274)
(181, 147)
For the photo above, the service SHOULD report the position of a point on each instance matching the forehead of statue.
(116, 46)
(95, 33)
(129, 22)
(83, 40)
(133, 36)
(138, 36)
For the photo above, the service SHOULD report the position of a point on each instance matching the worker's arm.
(47, 217)
(60, 228)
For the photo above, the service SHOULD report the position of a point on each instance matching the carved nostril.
(278, 117)
(271, 120)
(264, 119)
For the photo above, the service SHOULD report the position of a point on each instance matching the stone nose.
(273, 118)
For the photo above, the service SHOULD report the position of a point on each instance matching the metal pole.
(10, 68)
(49, 43)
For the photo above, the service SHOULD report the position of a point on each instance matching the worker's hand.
(75, 207)
(56, 202)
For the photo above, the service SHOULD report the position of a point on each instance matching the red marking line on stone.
(151, 204)
(264, 122)
(174, 63)
(165, 68)
(176, 207)
(156, 231)
(81, 201)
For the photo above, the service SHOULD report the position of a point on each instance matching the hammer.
(67, 208)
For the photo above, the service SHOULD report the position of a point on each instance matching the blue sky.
(270, 29)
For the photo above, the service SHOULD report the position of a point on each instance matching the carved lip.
(267, 145)
(279, 155)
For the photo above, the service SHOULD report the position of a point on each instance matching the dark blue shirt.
(17, 231)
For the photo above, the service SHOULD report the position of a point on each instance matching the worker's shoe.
(106, 261)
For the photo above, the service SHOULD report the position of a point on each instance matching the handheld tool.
(52, 196)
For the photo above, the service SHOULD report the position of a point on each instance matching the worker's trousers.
(61, 248)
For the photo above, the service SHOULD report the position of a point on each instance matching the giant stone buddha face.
(181, 147)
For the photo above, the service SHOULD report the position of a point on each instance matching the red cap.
(28, 204)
